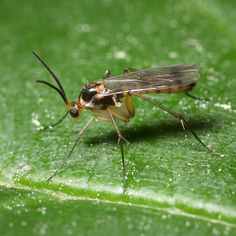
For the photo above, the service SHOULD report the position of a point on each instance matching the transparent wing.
(159, 79)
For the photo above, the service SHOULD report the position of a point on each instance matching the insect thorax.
(89, 97)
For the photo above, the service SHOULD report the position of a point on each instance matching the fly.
(111, 99)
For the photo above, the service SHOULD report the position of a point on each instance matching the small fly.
(111, 99)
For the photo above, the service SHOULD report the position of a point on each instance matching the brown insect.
(110, 99)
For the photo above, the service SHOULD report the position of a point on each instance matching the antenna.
(51, 72)
(60, 90)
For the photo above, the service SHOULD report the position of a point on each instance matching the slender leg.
(72, 149)
(197, 98)
(55, 124)
(117, 129)
(120, 137)
(182, 120)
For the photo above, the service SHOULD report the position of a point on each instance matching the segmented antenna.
(60, 90)
(54, 87)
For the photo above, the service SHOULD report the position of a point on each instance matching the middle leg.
(120, 138)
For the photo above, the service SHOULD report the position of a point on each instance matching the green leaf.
(173, 186)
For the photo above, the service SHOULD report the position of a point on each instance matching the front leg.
(81, 133)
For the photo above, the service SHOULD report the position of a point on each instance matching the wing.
(176, 78)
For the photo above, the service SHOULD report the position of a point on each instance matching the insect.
(111, 99)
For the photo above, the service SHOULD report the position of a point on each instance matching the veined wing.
(176, 78)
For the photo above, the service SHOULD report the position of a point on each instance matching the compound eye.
(88, 94)
(74, 112)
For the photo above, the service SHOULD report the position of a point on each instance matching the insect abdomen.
(177, 89)
(166, 89)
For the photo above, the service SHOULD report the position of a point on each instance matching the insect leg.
(182, 119)
(57, 123)
(197, 98)
(120, 138)
(72, 149)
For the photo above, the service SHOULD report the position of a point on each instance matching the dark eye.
(74, 112)
(87, 94)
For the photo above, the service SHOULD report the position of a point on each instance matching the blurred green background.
(173, 186)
